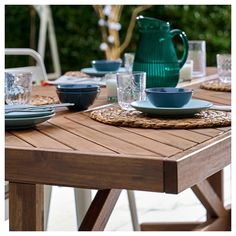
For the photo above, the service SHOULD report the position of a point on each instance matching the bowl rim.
(105, 61)
(77, 87)
(154, 90)
(78, 92)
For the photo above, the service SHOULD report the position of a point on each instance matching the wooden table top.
(73, 150)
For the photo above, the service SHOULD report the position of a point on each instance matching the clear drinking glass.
(224, 67)
(197, 53)
(129, 61)
(130, 87)
(18, 86)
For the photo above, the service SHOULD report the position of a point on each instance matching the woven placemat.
(135, 119)
(43, 100)
(216, 85)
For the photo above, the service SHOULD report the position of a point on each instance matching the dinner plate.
(91, 71)
(192, 107)
(25, 122)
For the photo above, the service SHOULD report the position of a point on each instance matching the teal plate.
(28, 114)
(192, 107)
(92, 72)
(25, 123)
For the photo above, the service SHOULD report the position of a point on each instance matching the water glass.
(224, 67)
(130, 87)
(18, 86)
(197, 53)
(129, 61)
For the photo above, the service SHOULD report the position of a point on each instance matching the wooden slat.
(189, 135)
(125, 135)
(100, 210)
(209, 199)
(224, 128)
(164, 137)
(168, 226)
(196, 164)
(214, 99)
(25, 207)
(12, 140)
(102, 139)
(38, 139)
(208, 131)
(78, 169)
(71, 140)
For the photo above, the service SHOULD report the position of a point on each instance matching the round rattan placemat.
(43, 100)
(216, 85)
(135, 119)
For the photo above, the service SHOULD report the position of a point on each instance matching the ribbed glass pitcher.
(155, 52)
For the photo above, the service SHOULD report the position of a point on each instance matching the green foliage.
(78, 33)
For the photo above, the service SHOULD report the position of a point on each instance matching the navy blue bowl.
(106, 65)
(82, 100)
(169, 97)
(77, 87)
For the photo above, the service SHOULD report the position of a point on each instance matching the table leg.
(100, 210)
(218, 217)
(210, 193)
(25, 207)
(217, 183)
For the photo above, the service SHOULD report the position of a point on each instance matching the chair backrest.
(38, 71)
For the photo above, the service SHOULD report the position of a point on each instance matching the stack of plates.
(22, 118)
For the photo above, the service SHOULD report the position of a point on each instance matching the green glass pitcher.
(155, 52)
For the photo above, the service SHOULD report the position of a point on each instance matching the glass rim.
(223, 54)
(19, 72)
(197, 41)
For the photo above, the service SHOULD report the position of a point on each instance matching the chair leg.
(83, 198)
(47, 200)
(133, 210)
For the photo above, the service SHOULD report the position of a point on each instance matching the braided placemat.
(135, 119)
(43, 100)
(216, 85)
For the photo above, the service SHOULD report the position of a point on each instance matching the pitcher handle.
(184, 38)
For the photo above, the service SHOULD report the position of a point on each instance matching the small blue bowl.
(82, 100)
(106, 65)
(169, 97)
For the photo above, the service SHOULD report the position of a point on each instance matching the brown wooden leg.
(25, 207)
(210, 200)
(217, 183)
(219, 218)
(100, 210)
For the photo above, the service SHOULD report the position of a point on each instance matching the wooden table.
(73, 150)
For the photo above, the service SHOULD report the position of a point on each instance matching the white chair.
(38, 71)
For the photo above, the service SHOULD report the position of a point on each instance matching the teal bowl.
(169, 97)
(106, 65)
(81, 100)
